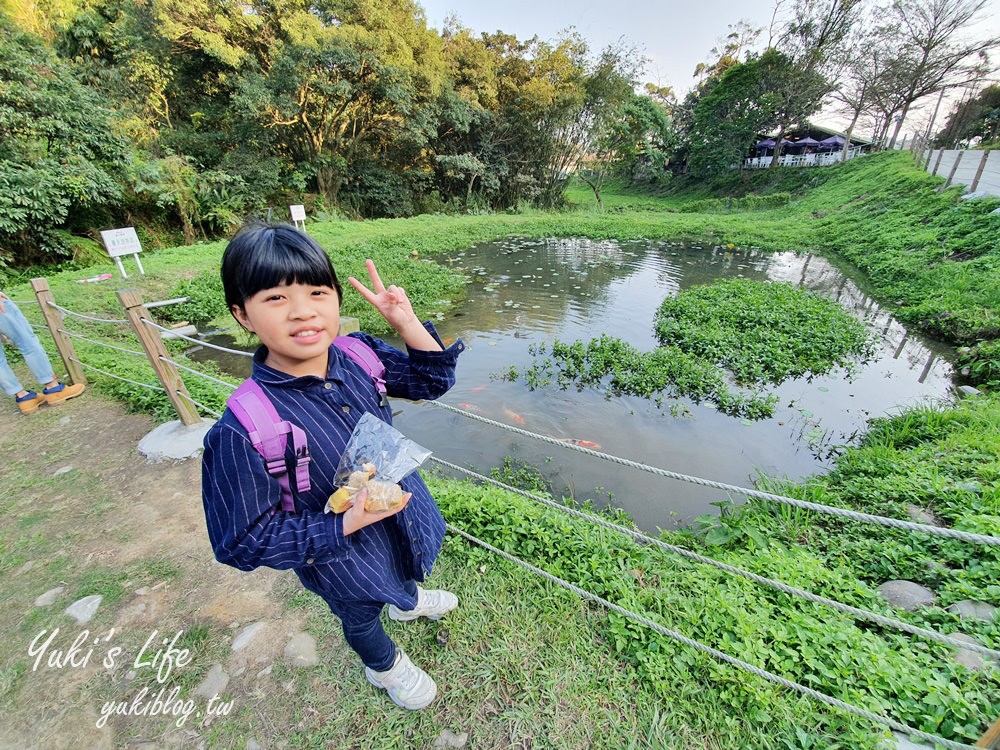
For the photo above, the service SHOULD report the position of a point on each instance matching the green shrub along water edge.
(931, 258)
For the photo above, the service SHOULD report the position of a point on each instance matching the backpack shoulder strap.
(269, 435)
(365, 356)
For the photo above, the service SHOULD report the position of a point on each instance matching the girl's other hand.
(356, 517)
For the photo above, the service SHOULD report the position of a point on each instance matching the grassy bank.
(921, 251)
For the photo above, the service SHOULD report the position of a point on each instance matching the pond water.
(526, 292)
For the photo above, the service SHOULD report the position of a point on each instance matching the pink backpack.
(269, 433)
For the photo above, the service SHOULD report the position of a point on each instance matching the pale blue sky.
(675, 36)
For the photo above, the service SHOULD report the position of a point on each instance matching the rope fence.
(720, 655)
(777, 585)
(842, 512)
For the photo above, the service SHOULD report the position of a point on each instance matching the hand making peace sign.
(393, 305)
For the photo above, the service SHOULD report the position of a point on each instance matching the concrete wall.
(978, 171)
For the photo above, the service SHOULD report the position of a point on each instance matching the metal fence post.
(53, 319)
(152, 344)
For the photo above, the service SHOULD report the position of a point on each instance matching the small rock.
(25, 568)
(968, 658)
(970, 609)
(905, 743)
(65, 421)
(142, 591)
(49, 596)
(62, 470)
(975, 195)
(214, 683)
(447, 738)
(442, 637)
(83, 609)
(252, 744)
(973, 487)
(965, 391)
(921, 515)
(906, 595)
(301, 650)
(246, 635)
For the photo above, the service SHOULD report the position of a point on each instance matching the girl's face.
(297, 323)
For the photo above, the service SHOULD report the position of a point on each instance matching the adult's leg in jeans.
(364, 632)
(16, 327)
(8, 380)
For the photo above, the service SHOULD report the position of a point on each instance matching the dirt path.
(85, 512)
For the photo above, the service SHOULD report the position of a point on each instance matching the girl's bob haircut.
(262, 256)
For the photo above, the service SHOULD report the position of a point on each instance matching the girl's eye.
(271, 297)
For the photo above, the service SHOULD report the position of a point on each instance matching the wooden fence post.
(992, 737)
(53, 319)
(152, 344)
(979, 171)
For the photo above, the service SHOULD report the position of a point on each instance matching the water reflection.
(523, 292)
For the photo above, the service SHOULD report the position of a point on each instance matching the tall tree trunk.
(847, 136)
(776, 157)
(899, 126)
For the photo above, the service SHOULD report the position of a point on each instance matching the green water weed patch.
(756, 333)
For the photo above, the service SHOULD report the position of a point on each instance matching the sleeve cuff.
(449, 355)
(337, 543)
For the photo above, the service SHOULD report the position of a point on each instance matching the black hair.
(262, 256)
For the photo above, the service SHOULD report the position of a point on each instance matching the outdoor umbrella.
(834, 141)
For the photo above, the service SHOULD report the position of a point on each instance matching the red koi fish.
(469, 407)
(513, 416)
(477, 389)
(582, 443)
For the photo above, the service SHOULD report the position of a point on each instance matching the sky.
(675, 36)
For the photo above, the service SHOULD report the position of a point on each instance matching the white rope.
(778, 585)
(770, 676)
(101, 343)
(196, 341)
(230, 386)
(84, 317)
(842, 512)
(118, 377)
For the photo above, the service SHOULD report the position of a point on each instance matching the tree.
(811, 40)
(972, 120)
(745, 101)
(865, 75)
(932, 56)
(58, 152)
(590, 139)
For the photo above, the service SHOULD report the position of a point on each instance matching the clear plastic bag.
(376, 458)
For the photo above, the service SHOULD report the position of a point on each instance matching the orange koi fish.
(469, 407)
(513, 416)
(582, 443)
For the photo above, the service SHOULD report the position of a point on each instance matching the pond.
(528, 292)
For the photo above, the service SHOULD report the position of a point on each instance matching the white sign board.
(298, 215)
(119, 242)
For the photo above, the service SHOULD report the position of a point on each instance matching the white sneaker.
(407, 684)
(433, 605)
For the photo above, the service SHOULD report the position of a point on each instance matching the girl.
(280, 285)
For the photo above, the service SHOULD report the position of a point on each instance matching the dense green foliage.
(758, 333)
(224, 110)
(58, 156)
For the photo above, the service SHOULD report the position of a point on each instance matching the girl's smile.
(296, 322)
